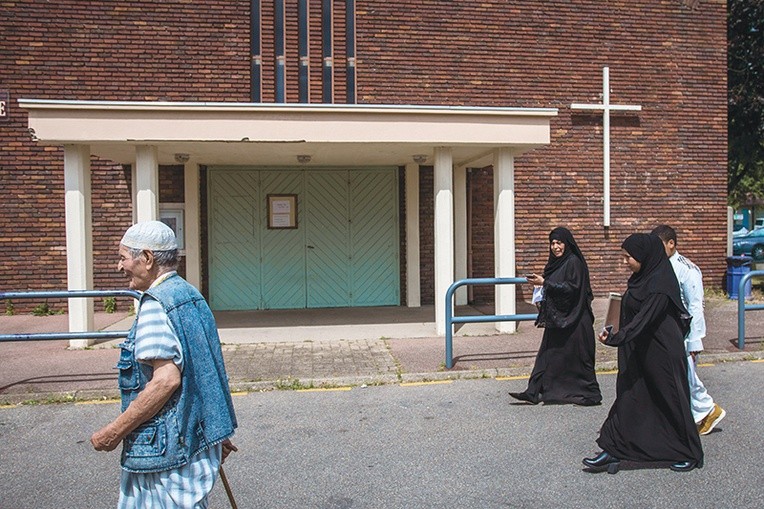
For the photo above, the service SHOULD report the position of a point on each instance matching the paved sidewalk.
(49, 371)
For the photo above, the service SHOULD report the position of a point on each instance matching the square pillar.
(413, 288)
(504, 234)
(191, 224)
(146, 183)
(79, 238)
(444, 233)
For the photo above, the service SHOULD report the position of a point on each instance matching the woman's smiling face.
(557, 247)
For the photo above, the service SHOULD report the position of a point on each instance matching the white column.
(444, 233)
(146, 183)
(460, 231)
(191, 224)
(79, 238)
(504, 234)
(413, 290)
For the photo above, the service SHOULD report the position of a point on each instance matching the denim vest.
(200, 413)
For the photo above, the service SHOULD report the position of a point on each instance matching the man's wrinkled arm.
(159, 389)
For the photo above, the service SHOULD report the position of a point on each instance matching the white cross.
(606, 107)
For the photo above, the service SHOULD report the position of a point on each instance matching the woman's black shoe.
(524, 396)
(686, 466)
(603, 461)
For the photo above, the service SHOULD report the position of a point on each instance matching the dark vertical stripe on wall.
(303, 29)
(279, 47)
(256, 52)
(327, 20)
(350, 40)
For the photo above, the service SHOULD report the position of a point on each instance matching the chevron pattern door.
(283, 250)
(234, 226)
(374, 265)
(344, 251)
(327, 239)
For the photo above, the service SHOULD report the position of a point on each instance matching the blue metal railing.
(451, 319)
(67, 294)
(742, 307)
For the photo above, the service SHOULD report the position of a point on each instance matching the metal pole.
(741, 311)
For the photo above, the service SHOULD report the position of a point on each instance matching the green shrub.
(110, 304)
(42, 310)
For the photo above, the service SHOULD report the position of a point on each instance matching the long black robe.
(651, 419)
(564, 367)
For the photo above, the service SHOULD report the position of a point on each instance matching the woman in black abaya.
(564, 368)
(651, 419)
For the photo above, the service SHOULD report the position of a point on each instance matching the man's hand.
(228, 448)
(105, 439)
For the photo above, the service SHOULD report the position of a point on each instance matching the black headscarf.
(656, 274)
(571, 249)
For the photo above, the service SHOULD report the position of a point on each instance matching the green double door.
(343, 251)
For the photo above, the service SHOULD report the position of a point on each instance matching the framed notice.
(171, 214)
(282, 211)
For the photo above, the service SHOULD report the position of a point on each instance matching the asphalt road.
(451, 445)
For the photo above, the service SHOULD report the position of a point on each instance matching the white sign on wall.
(4, 101)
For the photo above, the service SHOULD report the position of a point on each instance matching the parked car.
(751, 244)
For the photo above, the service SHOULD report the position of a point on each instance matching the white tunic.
(691, 288)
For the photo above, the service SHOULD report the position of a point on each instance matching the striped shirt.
(186, 486)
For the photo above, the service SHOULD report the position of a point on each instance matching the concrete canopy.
(275, 134)
(149, 134)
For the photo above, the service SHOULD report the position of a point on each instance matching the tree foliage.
(745, 76)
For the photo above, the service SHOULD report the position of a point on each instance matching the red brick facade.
(668, 161)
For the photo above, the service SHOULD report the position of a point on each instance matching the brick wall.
(426, 235)
(668, 161)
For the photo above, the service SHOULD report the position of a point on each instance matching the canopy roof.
(275, 134)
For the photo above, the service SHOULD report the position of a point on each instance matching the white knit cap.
(150, 235)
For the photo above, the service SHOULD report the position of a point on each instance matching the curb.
(343, 381)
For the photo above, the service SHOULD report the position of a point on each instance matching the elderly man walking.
(177, 414)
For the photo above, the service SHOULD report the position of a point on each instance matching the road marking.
(97, 402)
(431, 382)
(325, 389)
(502, 378)
(239, 393)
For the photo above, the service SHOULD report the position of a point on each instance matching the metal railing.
(451, 319)
(742, 307)
(67, 294)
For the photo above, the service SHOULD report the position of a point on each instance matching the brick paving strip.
(310, 363)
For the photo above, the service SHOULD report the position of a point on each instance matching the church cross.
(606, 108)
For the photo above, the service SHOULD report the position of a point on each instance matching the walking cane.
(227, 488)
